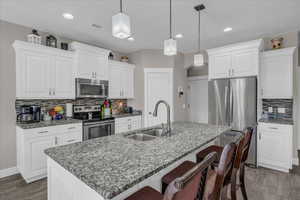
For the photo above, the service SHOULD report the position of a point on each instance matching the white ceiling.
(149, 18)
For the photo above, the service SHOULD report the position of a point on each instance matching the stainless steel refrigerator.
(233, 102)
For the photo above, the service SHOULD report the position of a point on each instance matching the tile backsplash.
(276, 105)
(118, 105)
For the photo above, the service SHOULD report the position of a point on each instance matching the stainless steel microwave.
(91, 88)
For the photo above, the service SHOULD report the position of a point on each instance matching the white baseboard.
(8, 172)
(296, 161)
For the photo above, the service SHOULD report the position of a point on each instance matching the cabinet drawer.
(69, 138)
(39, 132)
(275, 127)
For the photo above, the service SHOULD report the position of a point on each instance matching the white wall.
(155, 59)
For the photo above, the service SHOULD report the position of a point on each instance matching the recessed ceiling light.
(68, 16)
(179, 35)
(96, 26)
(228, 29)
(130, 39)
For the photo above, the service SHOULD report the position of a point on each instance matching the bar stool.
(189, 186)
(215, 182)
(239, 162)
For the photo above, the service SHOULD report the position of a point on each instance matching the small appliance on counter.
(128, 109)
(29, 114)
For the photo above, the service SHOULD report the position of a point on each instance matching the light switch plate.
(281, 110)
(270, 109)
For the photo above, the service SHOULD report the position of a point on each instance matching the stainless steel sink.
(140, 137)
(157, 132)
(146, 135)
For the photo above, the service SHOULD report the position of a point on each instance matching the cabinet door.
(277, 77)
(270, 156)
(219, 66)
(245, 63)
(34, 75)
(92, 65)
(136, 123)
(35, 155)
(63, 78)
(69, 138)
(115, 74)
(101, 67)
(127, 83)
(86, 64)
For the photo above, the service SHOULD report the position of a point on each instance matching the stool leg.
(242, 182)
(163, 188)
(233, 186)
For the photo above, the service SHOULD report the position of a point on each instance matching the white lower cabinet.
(125, 124)
(31, 144)
(275, 147)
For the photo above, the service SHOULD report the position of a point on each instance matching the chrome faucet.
(168, 132)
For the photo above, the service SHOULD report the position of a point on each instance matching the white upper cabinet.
(277, 71)
(91, 62)
(238, 60)
(221, 63)
(121, 83)
(43, 72)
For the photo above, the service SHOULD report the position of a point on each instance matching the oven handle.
(99, 124)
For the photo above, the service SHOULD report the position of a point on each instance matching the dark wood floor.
(262, 184)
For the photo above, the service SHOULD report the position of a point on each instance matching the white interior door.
(198, 99)
(158, 86)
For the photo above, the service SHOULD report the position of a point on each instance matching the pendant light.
(198, 58)
(121, 24)
(170, 45)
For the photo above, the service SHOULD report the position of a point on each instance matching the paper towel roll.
(69, 109)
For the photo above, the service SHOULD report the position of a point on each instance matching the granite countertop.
(48, 123)
(127, 114)
(111, 165)
(277, 121)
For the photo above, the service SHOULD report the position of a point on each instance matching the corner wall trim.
(8, 172)
(296, 161)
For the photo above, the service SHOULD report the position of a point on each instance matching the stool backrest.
(191, 185)
(224, 169)
(243, 148)
(247, 143)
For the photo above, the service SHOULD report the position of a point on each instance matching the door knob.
(150, 113)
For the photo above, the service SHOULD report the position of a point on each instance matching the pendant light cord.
(170, 19)
(199, 39)
(121, 6)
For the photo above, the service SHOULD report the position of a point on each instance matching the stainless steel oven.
(98, 129)
(91, 88)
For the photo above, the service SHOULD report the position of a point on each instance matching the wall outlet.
(270, 109)
(281, 110)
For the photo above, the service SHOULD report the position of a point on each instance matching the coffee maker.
(29, 114)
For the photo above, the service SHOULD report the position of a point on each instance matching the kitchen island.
(113, 167)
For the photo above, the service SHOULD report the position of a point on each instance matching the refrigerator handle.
(231, 107)
(226, 105)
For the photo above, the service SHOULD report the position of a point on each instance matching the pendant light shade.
(199, 58)
(170, 45)
(121, 24)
